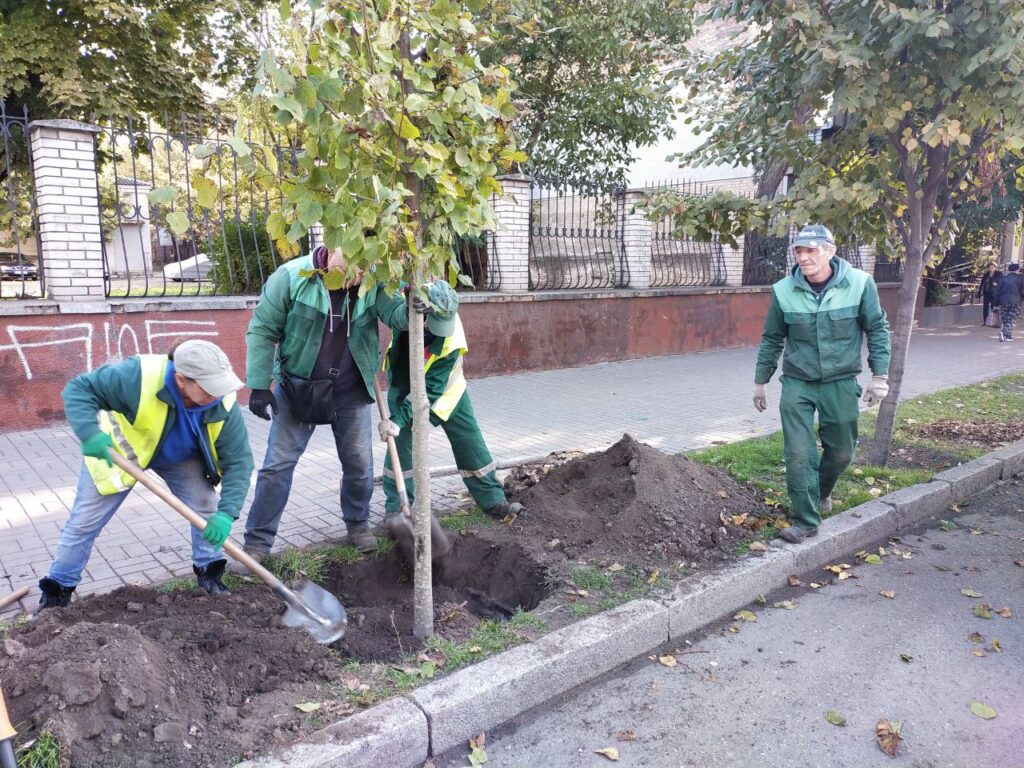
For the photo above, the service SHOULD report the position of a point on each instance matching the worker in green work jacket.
(445, 346)
(820, 314)
(175, 414)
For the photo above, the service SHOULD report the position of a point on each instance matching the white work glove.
(387, 429)
(877, 390)
(760, 398)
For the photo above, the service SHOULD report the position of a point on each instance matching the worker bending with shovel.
(174, 414)
(444, 343)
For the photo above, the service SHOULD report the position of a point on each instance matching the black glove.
(259, 400)
(419, 306)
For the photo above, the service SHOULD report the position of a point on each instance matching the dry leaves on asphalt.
(610, 752)
(629, 735)
(888, 734)
(757, 546)
(890, 593)
(745, 616)
(970, 593)
(787, 605)
(996, 646)
(794, 581)
(983, 611)
(976, 637)
(1005, 612)
(984, 711)
(477, 755)
(906, 658)
(668, 661)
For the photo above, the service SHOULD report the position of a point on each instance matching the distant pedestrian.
(988, 291)
(1011, 291)
(820, 314)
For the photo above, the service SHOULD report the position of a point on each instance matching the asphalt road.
(760, 696)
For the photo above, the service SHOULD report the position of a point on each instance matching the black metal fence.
(475, 257)
(577, 237)
(21, 273)
(680, 261)
(209, 236)
(887, 270)
(765, 256)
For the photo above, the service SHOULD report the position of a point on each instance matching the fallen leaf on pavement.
(891, 594)
(1019, 562)
(947, 525)
(847, 575)
(996, 646)
(984, 711)
(615, 567)
(477, 754)
(873, 560)
(888, 736)
(745, 616)
(838, 568)
(787, 605)
(757, 546)
(979, 654)
(610, 752)
(835, 718)
(761, 600)
(668, 661)
(815, 585)
(734, 630)
(723, 494)
(970, 593)
(976, 532)
(1005, 612)
(976, 637)
(942, 567)
(629, 735)
(308, 706)
(906, 657)
(739, 519)
(982, 611)
(794, 581)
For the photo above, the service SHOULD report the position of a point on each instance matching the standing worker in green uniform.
(444, 346)
(820, 314)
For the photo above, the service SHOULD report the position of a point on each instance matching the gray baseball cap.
(813, 236)
(445, 305)
(208, 366)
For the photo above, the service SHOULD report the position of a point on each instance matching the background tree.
(925, 96)
(404, 130)
(593, 79)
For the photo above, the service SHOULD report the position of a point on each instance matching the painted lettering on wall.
(120, 340)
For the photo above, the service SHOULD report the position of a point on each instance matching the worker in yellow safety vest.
(445, 346)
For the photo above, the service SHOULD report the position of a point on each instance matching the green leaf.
(203, 151)
(984, 711)
(982, 611)
(305, 94)
(206, 192)
(308, 706)
(353, 101)
(333, 279)
(407, 130)
(970, 593)
(162, 195)
(286, 10)
(310, 212)
(788, 605)
(178, 222)
(276, 225)
(461, 157)
(873, 560)
(835, 718)
(388, 34)
(240, 147)
(746, 616)
(296, 232)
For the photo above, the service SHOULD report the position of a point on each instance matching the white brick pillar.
(316, 237)
(636, 238)
(867, 259)
(511, 239)
(67, 204)
(733, 260)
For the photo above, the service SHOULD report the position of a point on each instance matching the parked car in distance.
(19, 270)
(188, 270)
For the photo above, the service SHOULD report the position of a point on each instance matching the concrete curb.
(405, 732)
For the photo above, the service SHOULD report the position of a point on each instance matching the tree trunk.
(901, 329)
(1006, 252)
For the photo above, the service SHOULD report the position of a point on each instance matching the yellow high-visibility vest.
(456, 384)
(138, 440)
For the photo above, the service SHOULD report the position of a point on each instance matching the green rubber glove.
(217, 529)
(98, 447)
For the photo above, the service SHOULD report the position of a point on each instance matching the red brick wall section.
(39, 353)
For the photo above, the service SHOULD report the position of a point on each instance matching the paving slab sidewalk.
(674, 403)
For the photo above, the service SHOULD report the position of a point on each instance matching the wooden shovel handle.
(197, 521)
(396, 464)
(12, 598)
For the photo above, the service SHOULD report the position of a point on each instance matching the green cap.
(445, 306)
(813, 236)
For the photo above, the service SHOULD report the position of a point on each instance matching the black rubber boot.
(54, 595)
(505, 509)
(209, 578)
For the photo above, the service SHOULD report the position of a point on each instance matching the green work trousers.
(471, 457)
(811, 476)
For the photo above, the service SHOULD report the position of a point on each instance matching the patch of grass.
(292, 564)
(188, 583)
(384, 547)
(343, 553)
(590, 577)
(43, 752)
(489, 636)
(464, 519)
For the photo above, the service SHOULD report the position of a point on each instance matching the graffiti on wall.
(119, 341)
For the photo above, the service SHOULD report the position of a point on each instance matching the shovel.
(310, 607)
(7, 734)
(12, 598)
(399, 527)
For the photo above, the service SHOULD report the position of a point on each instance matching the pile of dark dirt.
(142, 678)
(984, 433)
(633, 503)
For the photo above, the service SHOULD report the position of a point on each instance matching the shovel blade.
(321, 613)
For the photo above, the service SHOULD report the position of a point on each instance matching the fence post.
(636, 238)
(733, 260)
(67, 204)
(512, 234)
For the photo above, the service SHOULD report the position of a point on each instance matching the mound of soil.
(632, 503)
(140, 678)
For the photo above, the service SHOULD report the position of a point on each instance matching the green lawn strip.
(465, 519)
(42, 752)
(759, 461)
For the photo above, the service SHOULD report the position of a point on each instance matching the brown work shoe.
(503, 510)
(795, 533)
(235, 568)
(361, 537)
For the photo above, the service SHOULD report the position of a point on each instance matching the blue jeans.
(287, 442)
(91, 511)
